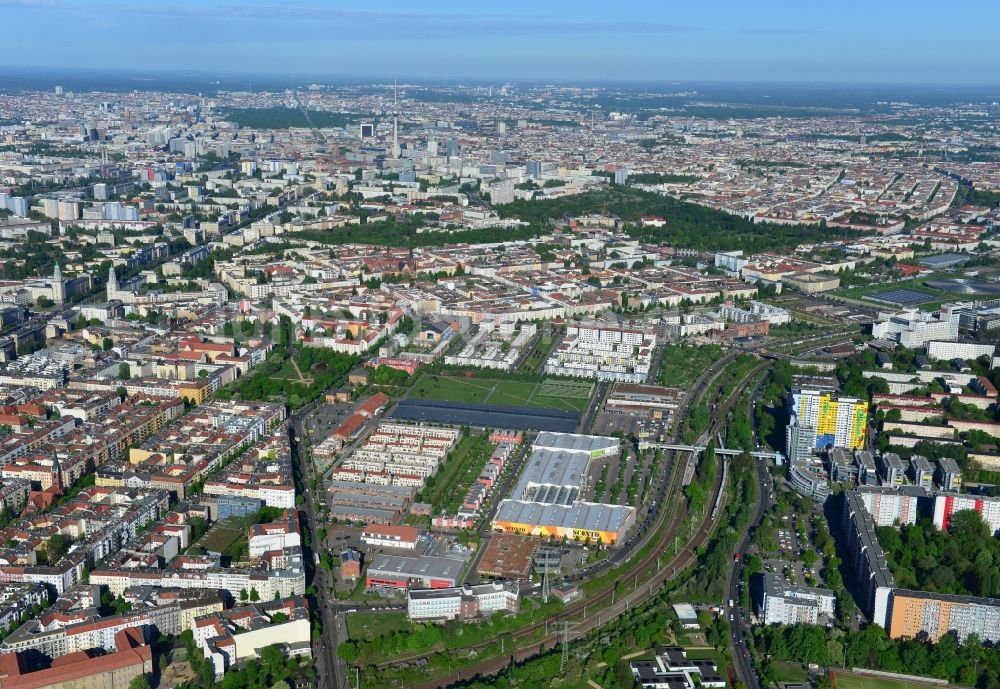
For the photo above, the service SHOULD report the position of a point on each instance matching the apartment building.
(889, 506)
(921, 472)
(946, 350)
(591, 351)
(279, 535)
(238, 635)
(948, 475)
(787, 603)
(129, 658)
(870, 566)
(837, 421)
(947, 504)
(916, 613)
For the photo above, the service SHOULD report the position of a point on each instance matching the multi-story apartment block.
(922, 472)
(948, 475)
(893, 469)
(239, 634)
(838, 422)
(888, 506)
(603, 353)
(787, 603)
(945, 505)
(916, 613)
(946, 350)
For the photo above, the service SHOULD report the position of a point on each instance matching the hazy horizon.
(859, 43)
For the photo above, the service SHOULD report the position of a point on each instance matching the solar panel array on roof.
(486, 415)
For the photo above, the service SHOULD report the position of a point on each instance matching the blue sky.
(881, 41)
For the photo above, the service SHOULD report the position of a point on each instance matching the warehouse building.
(580, 521)
(546, 500)
(507, 556)
(393, 572)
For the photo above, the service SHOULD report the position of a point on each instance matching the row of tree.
(967, 662)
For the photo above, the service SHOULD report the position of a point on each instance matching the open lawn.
(369, 625)
(790, 672)
(542, 346)
(549, 394)
(291, 371)
(222, 536)
(847, 680)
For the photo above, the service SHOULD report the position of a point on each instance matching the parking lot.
(326, 417)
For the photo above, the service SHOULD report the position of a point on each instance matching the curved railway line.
(577, 612)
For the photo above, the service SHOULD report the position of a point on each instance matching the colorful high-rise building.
(837, 421)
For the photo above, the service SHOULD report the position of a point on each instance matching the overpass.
(698, 449)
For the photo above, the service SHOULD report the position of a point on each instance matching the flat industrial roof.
(509, 556)
(548, 468)
(486, 415)
(580, 515)
(574, 442)
(417, 567)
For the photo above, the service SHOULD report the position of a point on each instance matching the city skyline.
(484, 346)
(727, 41)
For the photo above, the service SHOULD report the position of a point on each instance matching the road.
(330, 671)
(738, 624)
(587, 420)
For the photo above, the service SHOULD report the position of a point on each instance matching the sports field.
(850, 681)
(567, 395)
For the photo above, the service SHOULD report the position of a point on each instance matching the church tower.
(58, 286)
(56, 473)
(112, 284)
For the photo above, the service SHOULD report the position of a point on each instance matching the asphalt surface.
(330, 671)
(738, 622)
(587, 420)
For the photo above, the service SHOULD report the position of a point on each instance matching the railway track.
(586, 620)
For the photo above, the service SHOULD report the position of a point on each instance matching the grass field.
(369, 625)
(790, 672)
(850, 681)
(539, 353)
(549, 394)
(461, 468)
(291, 371)
(221, 537)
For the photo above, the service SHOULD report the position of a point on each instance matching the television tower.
(395, 122)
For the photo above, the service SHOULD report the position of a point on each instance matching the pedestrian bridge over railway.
(698, 449)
